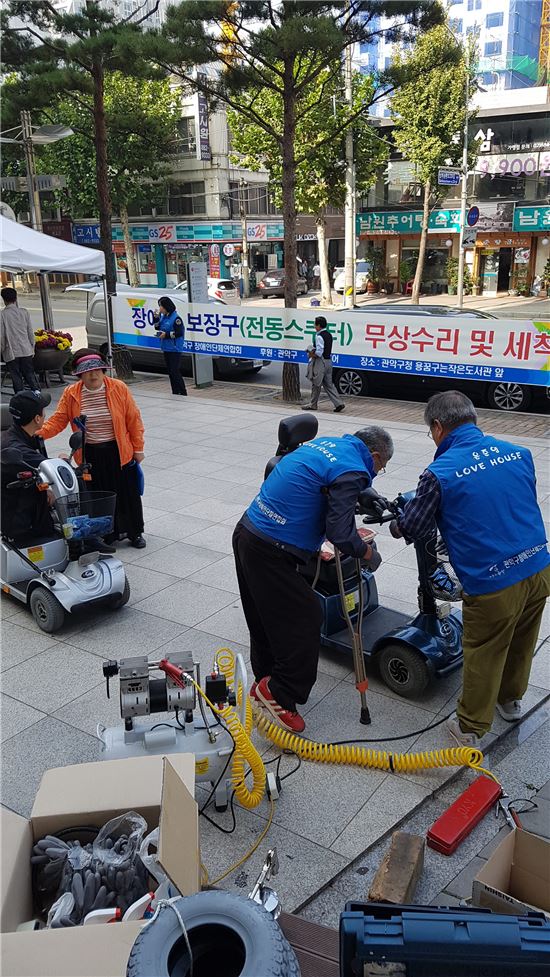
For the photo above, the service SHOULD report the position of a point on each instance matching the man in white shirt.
(316, 275)
(321, 372)
(17, 342)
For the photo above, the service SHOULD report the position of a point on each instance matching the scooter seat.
(24, 540)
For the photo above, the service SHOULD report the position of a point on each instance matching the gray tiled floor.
(201, 470)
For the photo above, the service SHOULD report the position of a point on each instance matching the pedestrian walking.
(114, 438)
(170, 330)
(316, 275)
(309, 496)
(481, 493)
(17, 342)
(322, 371)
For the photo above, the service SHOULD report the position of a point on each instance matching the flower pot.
(452, 290)
(48, 361)
(372, 288)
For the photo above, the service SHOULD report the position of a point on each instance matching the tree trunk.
(133, 274)
(291, 371)
(415, 297)
(102, 173)
(326, 294)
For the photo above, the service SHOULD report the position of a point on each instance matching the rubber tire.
(524, 405)
(418, 672)
(43, 602)
(360, 383)
(115, 603)
(159, 950)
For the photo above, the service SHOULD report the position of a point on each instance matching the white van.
(225, 367)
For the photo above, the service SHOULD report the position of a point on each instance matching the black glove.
(373, 561)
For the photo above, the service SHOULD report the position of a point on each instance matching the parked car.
(274, 283)
(224, 367)
(501, 395)
(222, 289)
(362, 275)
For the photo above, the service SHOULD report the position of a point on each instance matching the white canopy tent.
(22, 249)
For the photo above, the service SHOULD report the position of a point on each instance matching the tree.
(429, 117)
(320, 177)
(283, 46)
(141, 120)
(55, 53)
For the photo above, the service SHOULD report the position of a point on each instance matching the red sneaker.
(292, 721)
(253, 694)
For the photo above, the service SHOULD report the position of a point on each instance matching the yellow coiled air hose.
(358, 756)
(246, 753)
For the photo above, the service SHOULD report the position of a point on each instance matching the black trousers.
(108, 476)
(173, 360)
(21, 369)
(283, 616)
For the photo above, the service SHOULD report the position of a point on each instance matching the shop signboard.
(531, 218)
(405, 222)
(518, 350)
(214, 260)
(203, 128)
(514, 164)
(448, 176)
(260, 231)
(86, 234)
(162, 233)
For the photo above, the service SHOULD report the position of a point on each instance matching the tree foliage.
(320, 173)
(56, 54)
(429, 115)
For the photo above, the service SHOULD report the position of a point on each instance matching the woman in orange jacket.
(114, 438)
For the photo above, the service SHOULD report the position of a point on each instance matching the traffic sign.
(473, 216)
(469, 236)
(448, 176)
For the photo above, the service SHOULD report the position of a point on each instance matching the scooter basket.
(87, 515)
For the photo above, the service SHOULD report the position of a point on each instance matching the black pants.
(21, 369)
(283, 616)
(108, 476)
(173, 360)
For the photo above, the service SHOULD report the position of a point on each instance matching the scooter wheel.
(403, 670)
(117, 602)
(46, 610)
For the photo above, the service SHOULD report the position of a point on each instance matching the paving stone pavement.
(204, 462)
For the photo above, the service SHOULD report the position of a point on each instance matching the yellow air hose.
(246, 753)
(357, 756)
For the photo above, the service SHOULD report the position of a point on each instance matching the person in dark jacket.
(481, 493)
(322, 368)
(309, 496)
(25, 511)
(171, 333)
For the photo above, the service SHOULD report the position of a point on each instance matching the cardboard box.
(516, 878)
(161, 789)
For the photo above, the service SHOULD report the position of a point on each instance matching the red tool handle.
(175, 673)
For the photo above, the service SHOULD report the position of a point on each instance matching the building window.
(470, 4)
(187, 137)
(185, 199)
(456, 25)
(453, 3)
(493, 47)
(478, 4)
(494, 20)
(472, 29)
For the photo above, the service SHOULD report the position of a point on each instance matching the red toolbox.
(446, 834)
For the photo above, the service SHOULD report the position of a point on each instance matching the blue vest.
(290, 506)
(489, 516)
(167, 323)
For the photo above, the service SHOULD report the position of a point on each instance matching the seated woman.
(25, 511)
(113, 439)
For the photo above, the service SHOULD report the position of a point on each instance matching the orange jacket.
(127, 422)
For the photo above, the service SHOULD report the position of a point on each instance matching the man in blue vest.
(481, 492)
(309, 496)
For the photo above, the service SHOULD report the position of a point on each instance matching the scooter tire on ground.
(46, 610)
(230, 937)
(115, 603)
(403, 670)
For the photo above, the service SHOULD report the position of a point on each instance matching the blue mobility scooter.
(409, 652)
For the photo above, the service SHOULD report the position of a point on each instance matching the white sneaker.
(510, 711)
(464, 739)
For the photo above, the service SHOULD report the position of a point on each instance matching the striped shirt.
(99, 423)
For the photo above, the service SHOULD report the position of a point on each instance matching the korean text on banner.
(507, 349)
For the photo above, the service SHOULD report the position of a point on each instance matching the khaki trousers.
(500, 636)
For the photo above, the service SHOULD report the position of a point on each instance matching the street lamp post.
(36, 214)
(464, 187)
(28, 137)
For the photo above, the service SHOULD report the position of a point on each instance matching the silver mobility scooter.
(62, 572)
